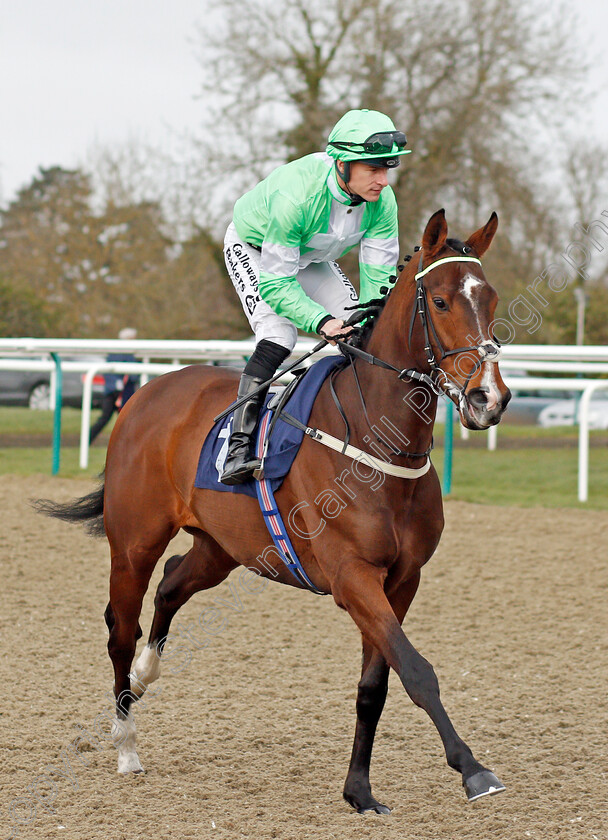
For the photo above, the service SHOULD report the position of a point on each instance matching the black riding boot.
(239, 464)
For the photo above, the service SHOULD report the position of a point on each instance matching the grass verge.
(532, 467)
(22, 460)
(526, 477)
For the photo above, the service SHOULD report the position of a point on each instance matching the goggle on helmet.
(367, 136)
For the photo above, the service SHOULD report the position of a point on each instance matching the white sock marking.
(123, 736)
(146, 670)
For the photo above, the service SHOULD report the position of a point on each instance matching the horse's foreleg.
(204, 566)
(371, 695)
(359, 590)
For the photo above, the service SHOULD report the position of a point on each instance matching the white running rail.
(563, 359)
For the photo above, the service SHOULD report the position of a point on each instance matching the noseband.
(488, 350)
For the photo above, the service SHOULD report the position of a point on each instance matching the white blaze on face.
(471, 287)
(488, 383)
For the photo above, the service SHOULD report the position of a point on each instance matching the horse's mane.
(366, 318)
(366, 315)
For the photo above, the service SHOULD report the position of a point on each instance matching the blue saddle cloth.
(284, 442)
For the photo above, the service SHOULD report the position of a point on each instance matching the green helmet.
(369, 136)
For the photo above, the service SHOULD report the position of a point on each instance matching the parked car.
(524, 409)
(565, 413)
(526, 404)
(32, 387)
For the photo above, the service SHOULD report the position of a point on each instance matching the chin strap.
(345, 176)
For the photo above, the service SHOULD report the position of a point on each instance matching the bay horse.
(370, 556)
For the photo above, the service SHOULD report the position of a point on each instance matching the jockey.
(282, 244)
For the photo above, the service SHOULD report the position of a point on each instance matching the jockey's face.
(367, 181)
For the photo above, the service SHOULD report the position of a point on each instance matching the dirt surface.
(251, 735)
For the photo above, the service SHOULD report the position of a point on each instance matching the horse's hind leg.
(133, 560)
(203, 567)
(371, 696)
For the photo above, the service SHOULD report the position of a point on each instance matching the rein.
(487, 350)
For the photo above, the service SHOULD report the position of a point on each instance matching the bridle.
(438, 380)
(488, 350)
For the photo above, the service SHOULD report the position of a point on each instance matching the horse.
(370, 556)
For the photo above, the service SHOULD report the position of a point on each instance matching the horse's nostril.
(478, 398)
(506, 399)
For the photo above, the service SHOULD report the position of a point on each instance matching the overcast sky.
(74, 74)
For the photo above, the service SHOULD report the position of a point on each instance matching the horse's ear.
(480, 240)
(435, 233)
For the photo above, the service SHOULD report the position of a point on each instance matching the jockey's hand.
(335, 327)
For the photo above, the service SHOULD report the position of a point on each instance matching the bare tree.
(72, 270)
(136, 172)
(479, 86)
(270, 76)
(587, 178)
(472, 82)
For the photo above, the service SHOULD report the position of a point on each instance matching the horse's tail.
(88, 509)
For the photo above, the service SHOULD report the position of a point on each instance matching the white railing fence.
(556, 359)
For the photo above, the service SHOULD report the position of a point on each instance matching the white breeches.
(324, 282)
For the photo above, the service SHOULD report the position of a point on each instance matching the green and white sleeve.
(279, 266)
(379, 250)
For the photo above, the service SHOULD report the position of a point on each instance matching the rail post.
(448, 454)
(57, 414)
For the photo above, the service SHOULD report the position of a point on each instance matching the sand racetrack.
(251, 735)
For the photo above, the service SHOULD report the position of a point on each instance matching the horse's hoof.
(484, 783)
(130, 765)
(370, 806)
(137, 771)
(374, 809)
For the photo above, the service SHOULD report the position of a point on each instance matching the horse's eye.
(440, 304)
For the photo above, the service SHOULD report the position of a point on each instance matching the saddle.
(282, 443)
(280, 433)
